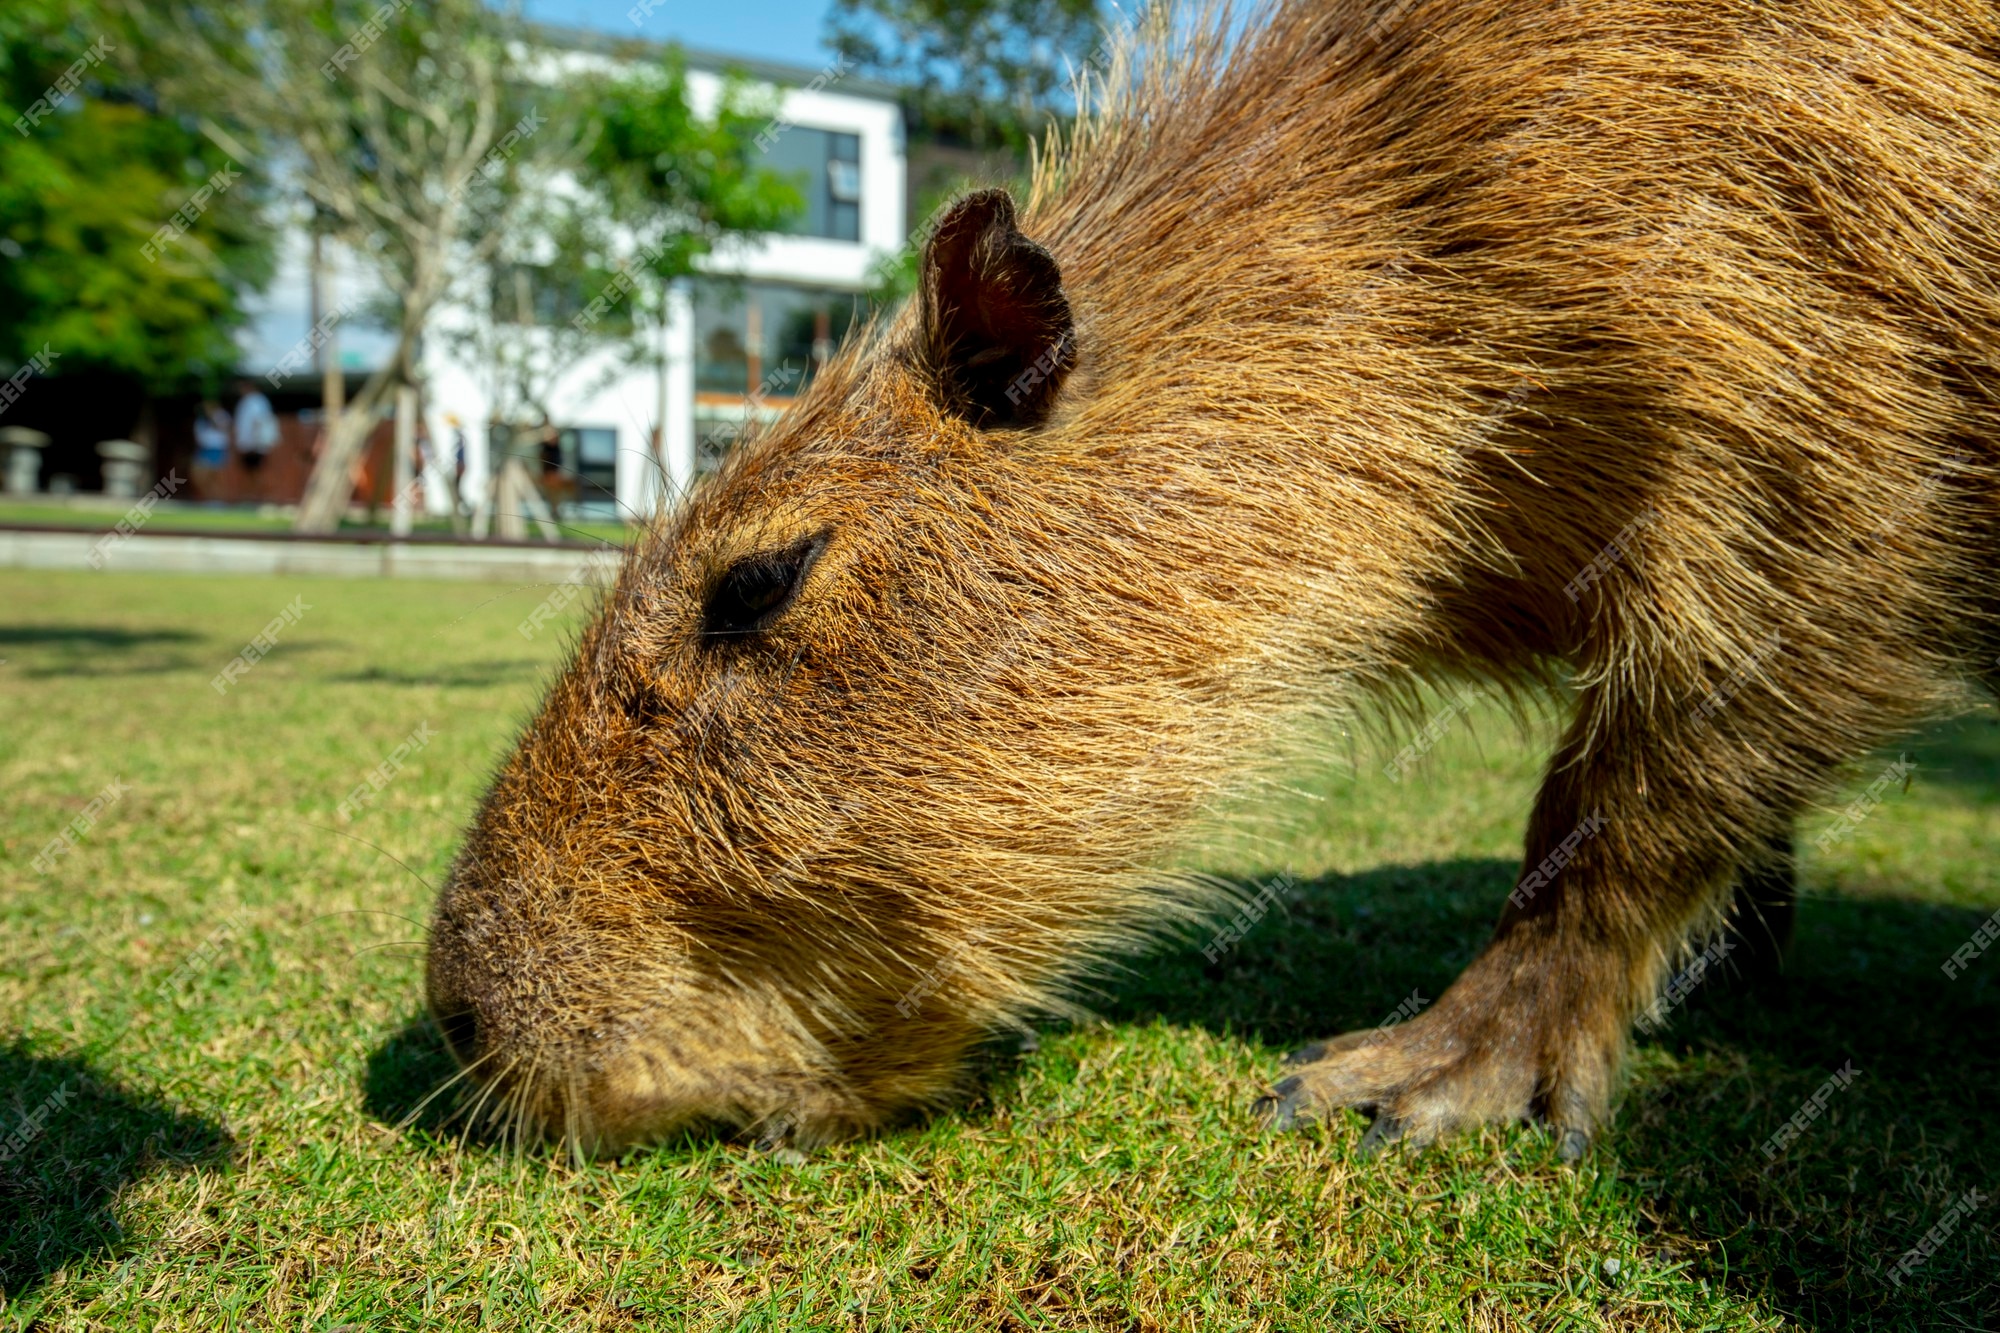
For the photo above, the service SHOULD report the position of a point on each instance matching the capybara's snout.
(567, 1035)
(576, 1018)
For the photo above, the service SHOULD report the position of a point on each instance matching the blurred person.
(256, 432)
(211, 449)
(555, 478)
(454, 464)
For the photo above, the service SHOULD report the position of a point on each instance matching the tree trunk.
(402, 501)
(332, 383)
(332, 480)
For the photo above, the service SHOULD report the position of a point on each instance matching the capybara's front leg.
(1623, 858)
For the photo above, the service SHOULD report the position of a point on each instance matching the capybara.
(1642, 351)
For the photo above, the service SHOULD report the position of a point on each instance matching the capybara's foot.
(1503, 1044)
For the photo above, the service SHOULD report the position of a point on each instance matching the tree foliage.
(984, 73)
(677, 180)
(89, 177)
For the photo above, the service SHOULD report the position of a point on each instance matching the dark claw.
(1280, 1110)
(1306, 1055)
(1385, 1131)
(776, 1143)
(1276, 1114)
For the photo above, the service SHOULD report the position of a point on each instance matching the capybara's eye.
(756, 589)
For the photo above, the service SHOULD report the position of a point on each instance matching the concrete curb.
(181, 554)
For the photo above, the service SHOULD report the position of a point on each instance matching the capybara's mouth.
(520, 1092)
(542, 1065)
(591, 1108)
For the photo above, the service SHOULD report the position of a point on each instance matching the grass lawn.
(100, 517)
(206, 518)
(213, 1004)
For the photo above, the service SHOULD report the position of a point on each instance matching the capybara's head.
(874, 737)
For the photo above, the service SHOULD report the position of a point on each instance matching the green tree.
(678, 182)
(982, 73)
(128, 241)
(438, 142)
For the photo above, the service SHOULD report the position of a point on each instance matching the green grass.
(226, 980)
(99, 517)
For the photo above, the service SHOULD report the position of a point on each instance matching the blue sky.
(773, 29)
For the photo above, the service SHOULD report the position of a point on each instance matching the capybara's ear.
(997, 335)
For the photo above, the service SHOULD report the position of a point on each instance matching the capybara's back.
(1647, 350)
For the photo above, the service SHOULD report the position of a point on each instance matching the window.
(714, 436)
(576, 467)
(826, 168)
(843, 181)
(752, 336)
(757, 345)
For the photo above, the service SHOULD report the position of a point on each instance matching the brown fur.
(1385, 325)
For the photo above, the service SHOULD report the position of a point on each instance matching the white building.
(738, 343)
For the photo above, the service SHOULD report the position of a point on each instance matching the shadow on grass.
(102, 638)
(1813, 1233)
(72, 651)
(461, 675)
(66, 651)
(72, 1140)
(406, 1082)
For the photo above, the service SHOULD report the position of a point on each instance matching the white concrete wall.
(680, 392)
